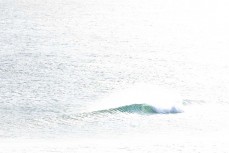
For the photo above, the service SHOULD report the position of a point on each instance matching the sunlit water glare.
(114, 76)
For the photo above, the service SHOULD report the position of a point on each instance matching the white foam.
(163, 99)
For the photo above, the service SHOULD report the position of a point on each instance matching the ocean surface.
(108, 76)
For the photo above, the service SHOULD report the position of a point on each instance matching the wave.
(142, 109)
(142, 99)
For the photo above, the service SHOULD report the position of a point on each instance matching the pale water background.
(111, 76)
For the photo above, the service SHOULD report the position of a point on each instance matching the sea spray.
(140, 98)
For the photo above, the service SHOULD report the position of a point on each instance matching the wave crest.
(142, 99)
(142, 109)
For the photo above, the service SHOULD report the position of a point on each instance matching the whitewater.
(108, 76)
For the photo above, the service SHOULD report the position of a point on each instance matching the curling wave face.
(142, 109)
(142, 99)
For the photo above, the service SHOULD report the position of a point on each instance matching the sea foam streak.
(141, 98)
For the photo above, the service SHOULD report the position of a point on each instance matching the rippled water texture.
(114, 76)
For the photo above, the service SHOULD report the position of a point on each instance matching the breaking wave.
(142, 109)
(142, 99)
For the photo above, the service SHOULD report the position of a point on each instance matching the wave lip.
(142, 99)
(143, 109)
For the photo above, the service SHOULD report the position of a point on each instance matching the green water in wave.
(140, 109)
(136, 108)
